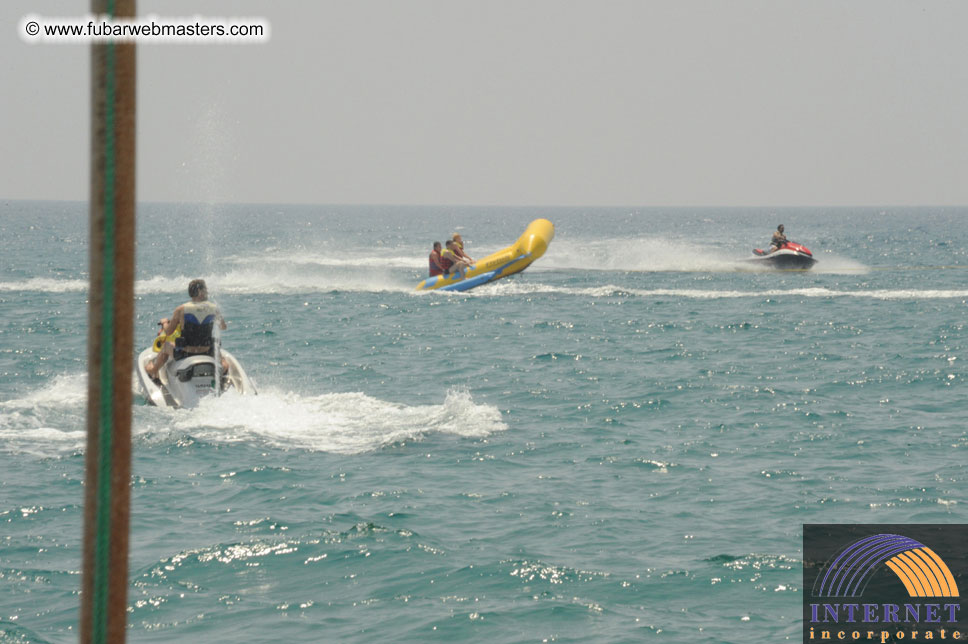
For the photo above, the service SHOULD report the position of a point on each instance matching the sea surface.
(620, 444)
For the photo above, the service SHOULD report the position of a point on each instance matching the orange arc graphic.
(923, 573)
(945, 572)
(903, 576)
(925, 576)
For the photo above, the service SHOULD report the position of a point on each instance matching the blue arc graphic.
(847, 575)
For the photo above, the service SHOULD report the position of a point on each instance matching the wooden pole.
(110, 335)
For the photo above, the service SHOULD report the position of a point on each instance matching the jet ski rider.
(196, 319)
(778, 239)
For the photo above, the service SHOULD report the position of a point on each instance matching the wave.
(244, 282)
(830, 264)
(290, 281)
(46, 285)
(611, 290)
(51, 420)
(661, 254)
(647, 254)
(343, 423)
(48, 421)
(357, 261)
(253, 282)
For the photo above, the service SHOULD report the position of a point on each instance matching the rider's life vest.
(199, 318)
(434, 268)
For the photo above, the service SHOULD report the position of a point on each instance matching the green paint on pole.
(102, 550)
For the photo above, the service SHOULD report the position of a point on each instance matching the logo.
(922, 572)
(884, 583)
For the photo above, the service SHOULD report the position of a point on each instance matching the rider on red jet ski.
(778, 239)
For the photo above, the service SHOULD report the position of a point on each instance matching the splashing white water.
(356, 261)
(659, 254)
(638, 254)
(50, 420)
(46, 285)
(518, 288)
(345, 423)
(831, 264)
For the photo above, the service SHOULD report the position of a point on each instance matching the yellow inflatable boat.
(513, 259)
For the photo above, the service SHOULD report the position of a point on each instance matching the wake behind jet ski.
(185, 362)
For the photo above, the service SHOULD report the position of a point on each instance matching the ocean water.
(619, 444)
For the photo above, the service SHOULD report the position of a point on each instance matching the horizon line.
(495, 205)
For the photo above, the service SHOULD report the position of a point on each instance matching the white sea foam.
(659, 254)
(344, 423)
(306, 275)
(50, 421)
(64, 392)
(47, 421)
(45, 285)
(253, 282)
(829, 263)
(286, 281)
(309, 273)
(639, 254)
(357, 260)
(520, 287)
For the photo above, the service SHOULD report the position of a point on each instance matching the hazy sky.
(521, 102)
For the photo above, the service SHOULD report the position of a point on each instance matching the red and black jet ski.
(789, 256)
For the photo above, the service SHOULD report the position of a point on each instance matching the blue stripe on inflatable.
(470, 283)
(483, 278)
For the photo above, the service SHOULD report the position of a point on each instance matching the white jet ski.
(182, 383)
